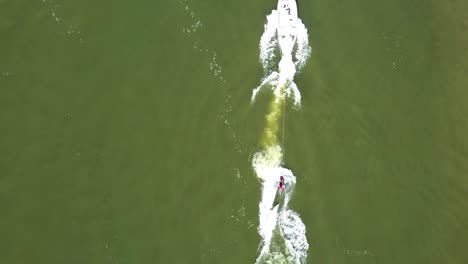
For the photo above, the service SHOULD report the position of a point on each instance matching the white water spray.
(281, 229)
(289, 41)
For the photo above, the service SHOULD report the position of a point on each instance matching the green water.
(119, 144)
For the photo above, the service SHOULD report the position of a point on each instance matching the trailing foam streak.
(281, 229)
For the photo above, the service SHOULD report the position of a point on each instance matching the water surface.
(127, 131)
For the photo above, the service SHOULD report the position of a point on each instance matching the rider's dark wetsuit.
(281, 184)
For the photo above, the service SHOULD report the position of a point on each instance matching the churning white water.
(284, 50)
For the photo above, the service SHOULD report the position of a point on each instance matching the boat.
(287, 22)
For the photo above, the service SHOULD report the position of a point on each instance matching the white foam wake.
(281, 229)
(284, 50)
(281, 60)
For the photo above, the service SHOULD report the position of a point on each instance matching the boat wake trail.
(281, 229)
(291, 44)
(284, 50)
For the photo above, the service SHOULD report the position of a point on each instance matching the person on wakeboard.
(281, 183)
(279, 197)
